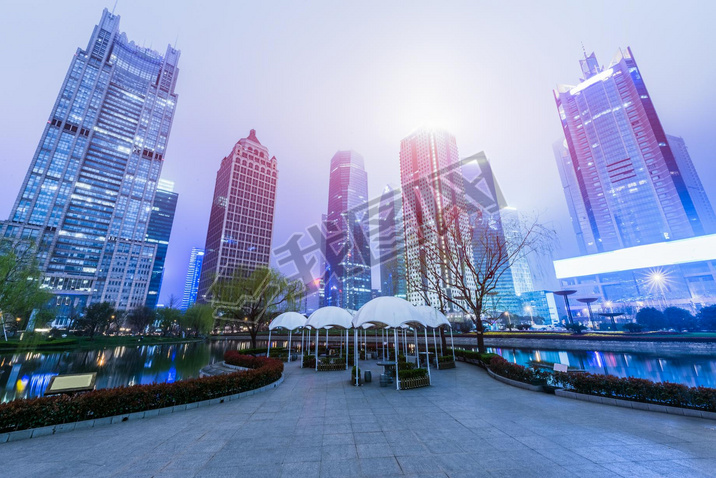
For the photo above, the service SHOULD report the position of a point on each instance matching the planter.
(330, 367)
(445, 365)
(353, 381)
(409, 383)
(514, 383)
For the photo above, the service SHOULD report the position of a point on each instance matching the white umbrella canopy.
(389, 312)
(330, 316)
(288, 321)
(433, 317)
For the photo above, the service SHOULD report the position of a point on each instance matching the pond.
(27, 374)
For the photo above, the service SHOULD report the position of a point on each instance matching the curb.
(515, 383)
(66, 427)
(649, 407)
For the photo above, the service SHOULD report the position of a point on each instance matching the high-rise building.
(621, 176)
(191, 286)
(432, 188)
(693, 183)
(391, 243)
(347, 280)
(238, 239)
(159, 230)
(89, 191)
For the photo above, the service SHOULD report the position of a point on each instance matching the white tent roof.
(390, 312)
(288, 321)
(432, 316)
(327, 317)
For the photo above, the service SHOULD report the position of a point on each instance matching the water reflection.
(27, 374)
(694, 371)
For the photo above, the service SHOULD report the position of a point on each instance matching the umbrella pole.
(397, 375)
(302, 350)
(425, 331)
(316, 350)
(289, 344)
(348, 348)
(417, 354)
(355, 356)
(435, 346)
(268, 351)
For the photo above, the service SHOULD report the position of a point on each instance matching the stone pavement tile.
(373, 450)
(641, 470)
(413, 449)
(305, 469)
(380, 466)
(302, 454)
(337, 428)
(268, 470)
(590, 470)
(338, 452)
(359, 427)
(456, 462)
(418, 464)
(443, 446)
(370, 437)
(340, 468)
(605, 454)
(338, 439)
(562, 456)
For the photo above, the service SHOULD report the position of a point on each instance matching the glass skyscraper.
(620, 172)
(241, 222)
(88, 194)
(158, 232)
(191, 286)
(347, 280)
(391, 243)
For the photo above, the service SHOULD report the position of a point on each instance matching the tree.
(140, 318)
(464, 262)
(679, 319)
(249, 298)
(199, 318)
(633, 327)
(707, 318)
(168, 318)
(96, 318)
(20, 276)
(651, 318)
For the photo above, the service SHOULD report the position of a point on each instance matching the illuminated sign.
(684, 251)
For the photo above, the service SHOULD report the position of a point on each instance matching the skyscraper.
(159, 230)
(621, 172)
(241, 222)
(191, 286)
(89, 191)
(347, 280)
(432, 185)
(391, 243)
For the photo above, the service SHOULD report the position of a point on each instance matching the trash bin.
(384, 380)
(368, 377)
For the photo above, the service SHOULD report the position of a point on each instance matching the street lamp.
(565, 294)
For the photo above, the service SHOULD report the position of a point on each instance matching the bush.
(468, 354)
(353, 373)
(444, 358)
(412, 373)
(513, 371)
(107, 402)
(309, 361)
(639, 389)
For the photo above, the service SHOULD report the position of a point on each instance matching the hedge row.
(412, 373)
(513, 371)
(469, 354)
(107, 402)
(639, 389)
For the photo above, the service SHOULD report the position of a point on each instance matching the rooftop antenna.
(584, 49)
(176, 41)
(115, 6)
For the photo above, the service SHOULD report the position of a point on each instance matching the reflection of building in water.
(680, 273)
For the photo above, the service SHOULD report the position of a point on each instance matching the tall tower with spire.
(242, 212)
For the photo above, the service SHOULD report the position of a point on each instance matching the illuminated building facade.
(159, 231)
(347, 279)
(241, 220)
(191, 286)
(88, 194)
(623, 181)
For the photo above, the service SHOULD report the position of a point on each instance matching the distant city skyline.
(477, 101)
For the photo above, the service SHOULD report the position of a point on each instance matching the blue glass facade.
(193, 273)
(159, 231)
(347, 281)
(391, 244)
(89, 191)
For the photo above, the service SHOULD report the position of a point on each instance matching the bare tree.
(466, 265)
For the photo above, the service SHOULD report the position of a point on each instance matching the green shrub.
(513, 371)
(107, 402)
(412, 373)
(445, 358)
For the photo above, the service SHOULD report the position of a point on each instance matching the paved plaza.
(317, 425)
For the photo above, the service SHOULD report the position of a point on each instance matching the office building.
(621, 176)
(159, 230)
(391, 243)
(191, 286)
(89, 191)
(238, 239)
(347, 279)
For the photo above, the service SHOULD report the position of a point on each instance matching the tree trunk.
(443, 339)
(253, 332)
(480, 336)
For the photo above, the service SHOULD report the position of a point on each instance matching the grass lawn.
(71, 343)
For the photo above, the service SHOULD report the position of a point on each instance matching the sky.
(314, 77)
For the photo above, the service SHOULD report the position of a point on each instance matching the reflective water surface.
(27, 374)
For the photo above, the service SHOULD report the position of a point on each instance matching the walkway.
(316, 425)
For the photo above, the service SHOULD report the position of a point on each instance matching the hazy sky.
(316, 77)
